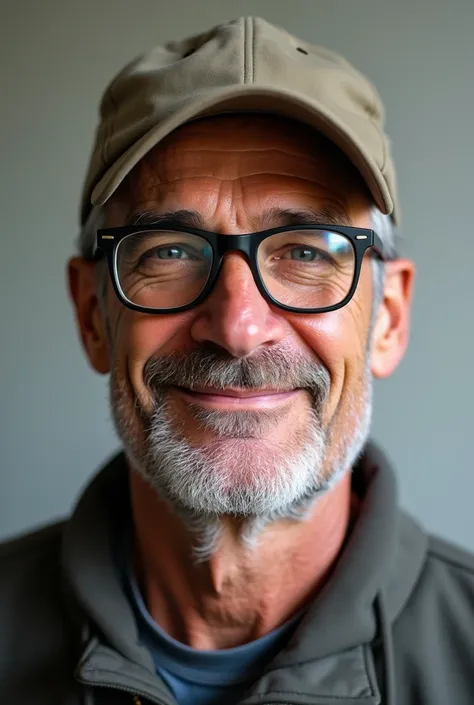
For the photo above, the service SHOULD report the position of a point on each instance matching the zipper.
(137, 699)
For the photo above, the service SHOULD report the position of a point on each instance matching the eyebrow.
(323, 215)
(185, 218)
(273, 217)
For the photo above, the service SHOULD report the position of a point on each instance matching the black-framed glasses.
(301, 268)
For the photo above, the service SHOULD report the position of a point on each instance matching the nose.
(235, 315)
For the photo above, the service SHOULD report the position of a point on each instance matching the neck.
(239, 593)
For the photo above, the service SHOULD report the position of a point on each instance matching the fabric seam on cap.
(248, 50)
(244, 48)
(253, 49)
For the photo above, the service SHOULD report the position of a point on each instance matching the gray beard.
(240, 473)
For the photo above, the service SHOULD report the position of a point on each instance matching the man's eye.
(169, 252)
(304, 254)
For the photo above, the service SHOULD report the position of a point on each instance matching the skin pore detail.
(258, 477)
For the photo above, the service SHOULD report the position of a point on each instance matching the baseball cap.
(244, 65)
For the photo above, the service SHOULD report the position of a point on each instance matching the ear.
(82, 279)
(391, 332)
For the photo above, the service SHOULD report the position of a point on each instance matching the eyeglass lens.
(305, 269)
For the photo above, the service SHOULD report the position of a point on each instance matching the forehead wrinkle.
(154, 183)
(250, 166)
(269, 210)
(255, 180)
(249, 175)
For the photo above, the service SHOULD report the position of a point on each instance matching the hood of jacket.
(329, 656)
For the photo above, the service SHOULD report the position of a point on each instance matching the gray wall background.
(55, 58)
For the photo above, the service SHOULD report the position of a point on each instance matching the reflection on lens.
(307, 268)
(163, 269)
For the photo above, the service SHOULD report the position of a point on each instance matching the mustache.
(276, 368)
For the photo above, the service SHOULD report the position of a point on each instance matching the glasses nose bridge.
(235, 243)
(242, 244)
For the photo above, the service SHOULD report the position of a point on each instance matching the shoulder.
(30, 555)
(449, 573)
(434, 634)
(30, 588)
(37, 648)
(445, 586)
(30, 569)
(31, 541)
(444, 554)
(30, 576)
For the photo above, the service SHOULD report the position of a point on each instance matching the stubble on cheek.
(131, 415)
(350, 422)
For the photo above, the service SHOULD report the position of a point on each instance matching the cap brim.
(253, 99)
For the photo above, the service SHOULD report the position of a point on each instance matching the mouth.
(237, 398)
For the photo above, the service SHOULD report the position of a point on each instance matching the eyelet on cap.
(301, 50)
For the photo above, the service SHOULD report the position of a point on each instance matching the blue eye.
(172, 252)
(305, 254)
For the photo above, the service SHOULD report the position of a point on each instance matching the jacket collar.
(328, 655)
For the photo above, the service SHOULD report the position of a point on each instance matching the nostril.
(302, 51)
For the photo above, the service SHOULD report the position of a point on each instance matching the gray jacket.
(394, 624)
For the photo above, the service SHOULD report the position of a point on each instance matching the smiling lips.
(236, 398)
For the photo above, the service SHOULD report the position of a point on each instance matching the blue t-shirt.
(204, 677)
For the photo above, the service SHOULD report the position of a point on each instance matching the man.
(243, 289)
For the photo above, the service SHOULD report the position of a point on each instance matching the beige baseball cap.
(243, 65)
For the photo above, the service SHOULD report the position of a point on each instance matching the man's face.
(200, 447)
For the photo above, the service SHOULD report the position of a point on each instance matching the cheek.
(139, 337)
(341, 334)
(328, 336)
(339, 340)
